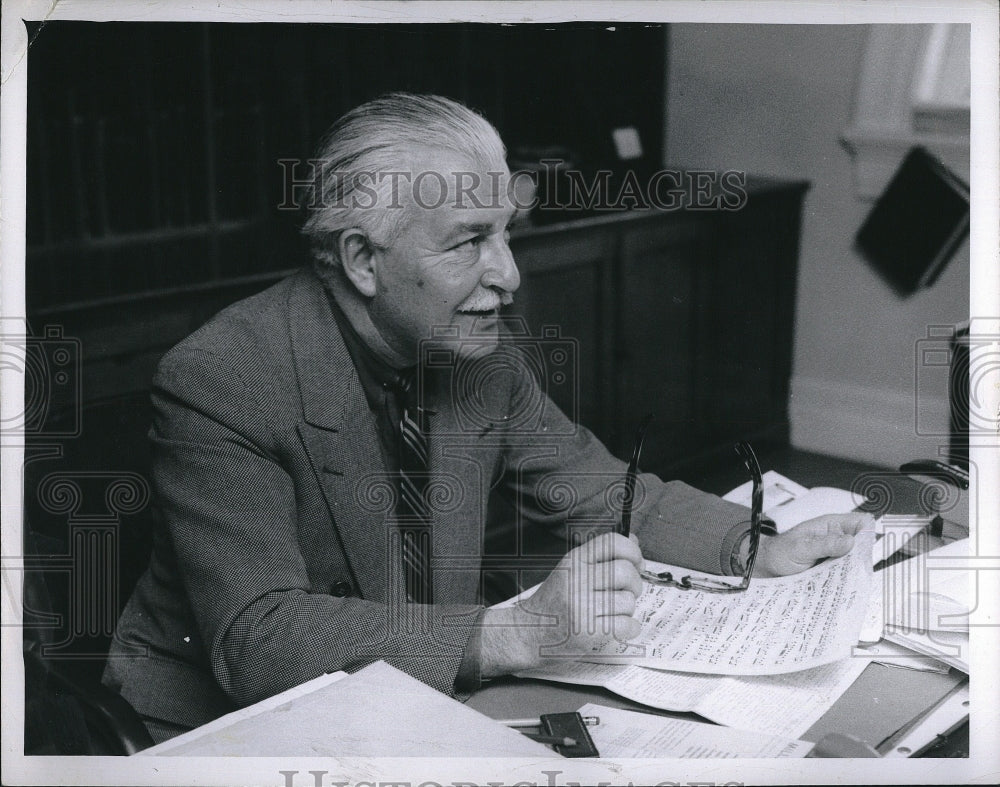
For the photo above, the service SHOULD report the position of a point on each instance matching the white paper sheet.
(782, 705)
(789, 504)
(816, 502)
(930, 592)
(230, 719)
(776, 488)
(927, 603)
(776, 626)
(785, 705)
(893, 655)
(948, 647)
(874, 624)
(623, 733)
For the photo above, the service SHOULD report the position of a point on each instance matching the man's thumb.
(837, 546)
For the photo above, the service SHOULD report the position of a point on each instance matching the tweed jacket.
(274, 556)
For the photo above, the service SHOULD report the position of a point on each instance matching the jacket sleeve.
(227, 495)
(565, 477)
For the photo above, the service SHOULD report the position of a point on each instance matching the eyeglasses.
(706, 584)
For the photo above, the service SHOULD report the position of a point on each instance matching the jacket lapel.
(462, 465)
(341, 440)
(340, 437)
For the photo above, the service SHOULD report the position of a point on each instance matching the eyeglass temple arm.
(746, 453)
(625, 525)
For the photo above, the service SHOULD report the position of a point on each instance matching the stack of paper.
(781, 705)
(624, 733)
(893, 655)
(772, 659)
(927, 603)
(376, 712)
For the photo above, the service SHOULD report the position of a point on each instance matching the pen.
(590, 721)
(552, 740)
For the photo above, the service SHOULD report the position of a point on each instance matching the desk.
(881, 701)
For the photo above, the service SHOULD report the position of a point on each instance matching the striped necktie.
(412, 509)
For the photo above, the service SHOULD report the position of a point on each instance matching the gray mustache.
(483, 304)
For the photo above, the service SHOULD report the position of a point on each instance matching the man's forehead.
(454, 193)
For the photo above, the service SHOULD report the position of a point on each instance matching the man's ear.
(357, 257)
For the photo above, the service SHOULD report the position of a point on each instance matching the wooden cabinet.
(685, 314)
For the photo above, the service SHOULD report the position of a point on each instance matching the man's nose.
(501, 271)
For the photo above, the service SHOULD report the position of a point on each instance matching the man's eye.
(469, 243)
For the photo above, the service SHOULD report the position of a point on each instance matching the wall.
(774, 100)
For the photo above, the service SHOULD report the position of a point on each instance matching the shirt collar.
(374, 373)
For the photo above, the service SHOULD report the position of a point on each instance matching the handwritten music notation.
(776, 626)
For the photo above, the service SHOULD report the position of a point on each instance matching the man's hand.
(588, 599)
(801, 547)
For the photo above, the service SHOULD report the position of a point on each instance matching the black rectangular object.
(569, 725)
(917, 223)
(958, 394)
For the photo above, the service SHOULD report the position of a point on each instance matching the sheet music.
(779, 625)
(782, 705)
(623, 733)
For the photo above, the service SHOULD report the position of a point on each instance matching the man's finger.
(618, 575)
(625, 628)
(616, 602)
(831, 546)
(611, 546)
(855, 522)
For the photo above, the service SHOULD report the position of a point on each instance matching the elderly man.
(322, 486)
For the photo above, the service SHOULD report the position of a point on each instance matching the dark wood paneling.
(564, 285)
(688, 315)
(156, 164)
(657, 343)
(685, 314)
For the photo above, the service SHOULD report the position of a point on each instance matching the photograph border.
(983, 764)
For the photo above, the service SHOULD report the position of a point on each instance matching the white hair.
(378, 137)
